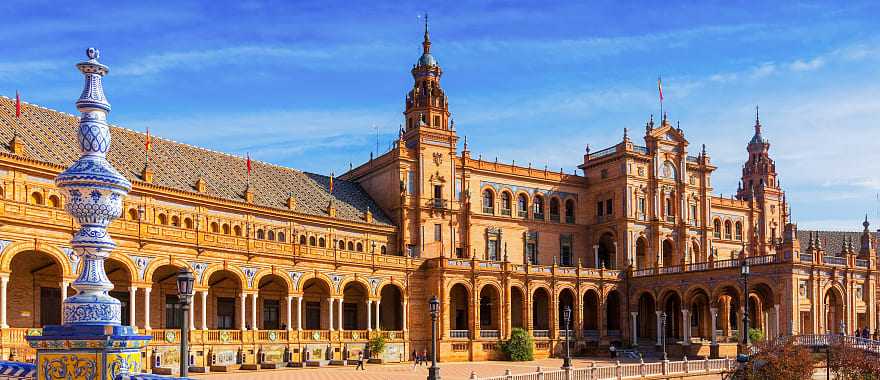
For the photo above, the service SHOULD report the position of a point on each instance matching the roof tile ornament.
(95, 190)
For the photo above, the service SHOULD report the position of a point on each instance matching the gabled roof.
(50, 136)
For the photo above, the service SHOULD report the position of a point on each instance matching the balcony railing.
(834, 260)
(459, 334)
(807, 257)
(490, 334)
(566, 333)
(862, 263)
(488, 210)
(539, 216)
(541, 333)
(591, 335)
(439, 203)
(522, 214)
(569, 219)
(505, 211)
(554, 217)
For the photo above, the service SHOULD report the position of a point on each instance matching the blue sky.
(304, 84)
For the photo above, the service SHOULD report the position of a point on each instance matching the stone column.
(369, 315)
(254, 311)
(132, 302)
(776, 320)
(685, 327)
(243, 313)
(596, 256)
(192, 314)
(378, 310)
(147, 308)
(4, 281)
(339, 313)
(299, 313)
(65, 284)
(330, 314)
(635, 327)
(659, 327)
(404, 316)
(204, 294)
(713, 312)
(289, 316)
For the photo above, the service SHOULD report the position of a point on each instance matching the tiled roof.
(50, 136)
(832, 241)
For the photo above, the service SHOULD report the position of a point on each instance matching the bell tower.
(426, 103)
(759, 171)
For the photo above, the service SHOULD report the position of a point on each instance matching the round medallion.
(316, 335)
(273, 336)
(170, 336)
(355, 335)
(392, 335)
(34, 332)
(224, 336)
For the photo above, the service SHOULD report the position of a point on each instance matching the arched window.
(322, 243)
(727, 230)
(670, 209)
(188, 223)
(237, 230)
(554, 209)
(36, 198)
(383, 250)
(538, 207)
(488, 202)
(340, 244)
(360, 247)
(312, 241)
(716, 224)
(163, 219)
(302, 239)
(739, 231)
(569, 211)
(175, 221)
(351, 246)
(215, 228)
(54, 201)
(226, 229)
(260, 234)
(522, 206)
(132, 214)
(506, 203)
(270, 235)
(281, 237)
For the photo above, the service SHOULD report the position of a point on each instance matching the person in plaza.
(360, 361)
(415, 359)
(613, 351)
(424, 358)
(865, 332)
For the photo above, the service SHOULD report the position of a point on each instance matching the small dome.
(427, 60)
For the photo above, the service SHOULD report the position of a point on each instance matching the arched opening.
(668, 254)
(488, 202)
(315, 303)
(391, 315)
(739, 231)
(522, 206)
(237, 230)
(506, 203)
(591, 315)
(54, 201)
(700, 319)
(226, 229)
(224, 295)
(696, 254)
(607, 252)
(538, 207)
(188, 223)
(175, 221)
(360, 247)
(490, 308)
(272, 299)
(163, 219)
(164, 297)
(672, 308)
(541, 312)
(569, 211)
(260, 234)
(119, 275)
(133, 214)
(354, 306)
(351, 246)
(760, 308)
(647, 317)
(612, 313)
(302, 239)
(642, 253)
(554, 209)
(834, 312)
(215, 228)
(312, 241)
(458, 309)
(281, 237)
(716, 228)
(566, 300)
(517, 300)
(322, 243)
(729, 313)
(36, 276)
(728, 235)
(270, 235)
(36, 198)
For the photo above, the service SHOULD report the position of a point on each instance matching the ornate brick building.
(299, 264)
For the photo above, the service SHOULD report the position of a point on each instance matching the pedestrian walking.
(360, 361)
(415, 359)
(425, 356)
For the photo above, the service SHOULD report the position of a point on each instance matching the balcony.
(670, 218)
(439, 203)
(522, 214)
(459, 334)
(490, 334)
(541, 333)
(539, 216)
(591, 335)
(569, 219)
(488, 210)
(505, 212)
(834, 260)
(554, 217)
(862, 263)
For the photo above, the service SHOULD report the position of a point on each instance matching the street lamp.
(185, 280)
(744, 271)
(663, 336)
(566, 363)
(434, 306)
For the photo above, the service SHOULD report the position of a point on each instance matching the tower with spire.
(426, 103)
(759, 171)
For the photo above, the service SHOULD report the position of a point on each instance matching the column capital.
(130, 288)
(148, 290)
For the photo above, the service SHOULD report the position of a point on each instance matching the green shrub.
(520, 346)
(756, 335)
(376, 345)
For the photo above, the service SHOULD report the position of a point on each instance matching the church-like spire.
(757, 138)
(426, 103)
(426, 43)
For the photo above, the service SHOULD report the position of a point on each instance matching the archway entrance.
(834, 312)
(591, 315)
(458, 309)
(489, 308)
(607, 252)
(225, 311)
(700, 319)
(273, 299)
(612, 313)
(642, 254)
(647, 318)
(516, 307)
(566, 300)
(119, 275)
(164, 297)
(541, 312)
(668, 253)
(391, 313)
(316, 303)
(35, 276)
(672, 308)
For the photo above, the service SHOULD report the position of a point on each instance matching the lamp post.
(744, 271)
(434, 306)
(185, 280)
(663, 336)
(566, 363)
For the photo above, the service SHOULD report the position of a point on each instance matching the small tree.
(781, 359)
(850, 363)
(755, 335)
(376, 345)
(520, 346)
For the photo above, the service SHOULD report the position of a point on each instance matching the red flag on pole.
(660, 88)
(148, 144)
(249, 165)
(331, 182)
(17, 104)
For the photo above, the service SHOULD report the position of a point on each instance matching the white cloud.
(801, 65)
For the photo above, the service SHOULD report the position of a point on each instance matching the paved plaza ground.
(449, 371)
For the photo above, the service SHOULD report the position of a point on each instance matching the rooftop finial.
(426, 44)
(625, 134)
(865, 223)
